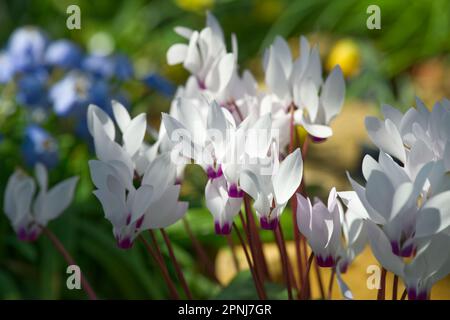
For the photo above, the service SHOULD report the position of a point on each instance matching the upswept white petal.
(133, 136)
(288, 178)
(382, 250)
(121, 115)
(41, 176)
(165, 211)
(386, 136)
(333, 94)
(275, 78)
(434, 216)
(177, 53)
(57, 200)
(103, 119)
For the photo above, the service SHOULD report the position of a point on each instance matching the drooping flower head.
(28, 212)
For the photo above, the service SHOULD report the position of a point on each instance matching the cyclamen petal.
(288, 178)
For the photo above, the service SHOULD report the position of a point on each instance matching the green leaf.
(242, 287)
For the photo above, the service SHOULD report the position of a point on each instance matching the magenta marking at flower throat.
(212, 173)
(414, 295)
(267, 223)
(326, 262)
(234, 192)
(28, 235)
(317, 139)
(222, 229)
(405, 252)
(124, 243)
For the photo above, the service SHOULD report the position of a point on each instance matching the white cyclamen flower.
(221, 148)
(204, 56)
(321, 225)
(153, 205)
(271, 192)
(430, 264)
(133, 151)
(406, 209)
(414, 138)
(299, 83)
(29, 213)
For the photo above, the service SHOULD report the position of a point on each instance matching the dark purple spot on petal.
(234, 192)
(125, 243)
(267, 224)
(317, 139)
(222, 230)
(395, 248)
(326, 262)
(139, 222)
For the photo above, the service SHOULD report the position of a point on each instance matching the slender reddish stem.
(284, 263)
(233, 252)
(258, 283)
(201, 252)
(319, 280)
(66, 255)
(260, 259)
(306, 275)
(158, 259)
(404, 294)
(395, 287)
(382, 291)
(178, 270)
(294, 207)
(330, 285)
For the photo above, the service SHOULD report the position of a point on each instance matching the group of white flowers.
(239, 134)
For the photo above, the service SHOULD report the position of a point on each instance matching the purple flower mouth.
(29, 236)
(326, 262)
(267, 224)
(414, 295)
(213, 174)
(125, 243)
(234, 192)
(222, 230)
(405, 252)
(317, 139)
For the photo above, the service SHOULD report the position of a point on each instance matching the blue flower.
(71, 95)
(39, 146)
(98, 65)
(6, 68)
(64, 54)
(123, 68)
(27, 48)
(31, 89)
(118, 66)
(160, 84)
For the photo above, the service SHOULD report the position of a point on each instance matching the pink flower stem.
(284, 262)
(319, 280)
(233, 252)
(404, 294)
(200, 251)
(176, 265)
(330, 285)
(156, 255)
(305, 289)
(382, 291)
(258, 283)
(395, 287)
(260, 260)
(294, 208)
(70, 261)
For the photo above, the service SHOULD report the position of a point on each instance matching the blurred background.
(120, 53)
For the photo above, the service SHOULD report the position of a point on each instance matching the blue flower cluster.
(58, 77)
